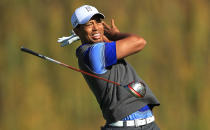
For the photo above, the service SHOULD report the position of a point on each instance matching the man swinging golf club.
(125, 107)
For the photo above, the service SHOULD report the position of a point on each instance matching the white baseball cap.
(83, 14)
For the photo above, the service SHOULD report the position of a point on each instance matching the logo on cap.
(88, 8)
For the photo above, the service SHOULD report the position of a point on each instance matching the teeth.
(96, 34)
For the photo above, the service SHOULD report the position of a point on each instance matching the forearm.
(128, 44)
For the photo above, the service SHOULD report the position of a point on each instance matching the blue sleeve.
(100, 56)
(110, 53)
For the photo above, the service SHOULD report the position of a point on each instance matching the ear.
(76, 30)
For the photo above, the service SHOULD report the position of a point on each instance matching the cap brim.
(100, 15)
(89, 17)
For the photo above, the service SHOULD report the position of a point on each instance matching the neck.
(85, 42)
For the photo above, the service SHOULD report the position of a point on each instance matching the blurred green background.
(39, 95)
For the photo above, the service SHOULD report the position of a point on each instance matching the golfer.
(102, 53)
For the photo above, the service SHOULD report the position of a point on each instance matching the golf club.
(65, 65)
(136, 88)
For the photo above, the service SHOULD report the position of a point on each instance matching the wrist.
(114, 36)
(119, 36)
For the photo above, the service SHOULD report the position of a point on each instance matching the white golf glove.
(68, 40)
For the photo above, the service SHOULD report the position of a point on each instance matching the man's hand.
(110, 31)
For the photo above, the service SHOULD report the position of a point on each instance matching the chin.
(96, 41)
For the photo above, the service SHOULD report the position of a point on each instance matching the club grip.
(30, 51)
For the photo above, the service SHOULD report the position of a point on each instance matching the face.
(92, 31)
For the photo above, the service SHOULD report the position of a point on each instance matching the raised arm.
(126, 43)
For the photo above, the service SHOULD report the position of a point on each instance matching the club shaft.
(65, 65)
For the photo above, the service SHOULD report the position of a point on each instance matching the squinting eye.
(88, 24)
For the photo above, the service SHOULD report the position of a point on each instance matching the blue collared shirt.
(142, 113)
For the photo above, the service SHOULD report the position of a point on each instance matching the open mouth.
(96, 36)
